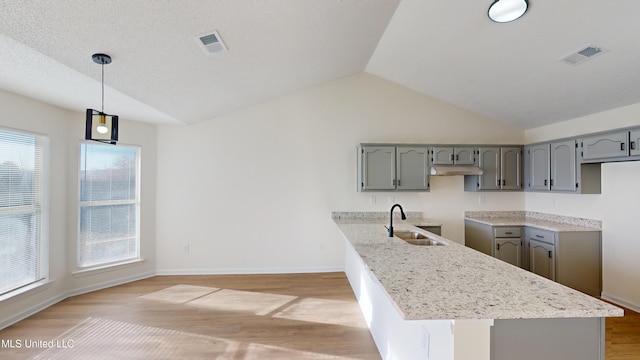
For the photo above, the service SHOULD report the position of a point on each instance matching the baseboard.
(621, 302)
(6, 322)
(249, 271)
(108, 284)
(45, 304)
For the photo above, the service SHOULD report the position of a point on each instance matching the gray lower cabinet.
(502, 170)
(391, 168)
(572, 258)
(449, 155)
(504, 243)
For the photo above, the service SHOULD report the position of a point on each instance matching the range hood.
(444, 170)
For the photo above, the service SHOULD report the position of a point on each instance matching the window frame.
(40, 207)
(87, 269)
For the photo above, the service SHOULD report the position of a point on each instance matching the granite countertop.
(550, 222)
(455, 282)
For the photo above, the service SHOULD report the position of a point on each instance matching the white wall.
(65, 130)
(252, 191)
(616, 206)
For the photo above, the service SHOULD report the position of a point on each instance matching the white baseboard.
(249, 271)
(6, 322)
(621, 302)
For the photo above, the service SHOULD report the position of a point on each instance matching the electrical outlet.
(481, 199)
(372, 199)
(185, 248)
(392, 199)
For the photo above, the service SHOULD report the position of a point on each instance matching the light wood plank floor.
(292, 316)
(289, 316)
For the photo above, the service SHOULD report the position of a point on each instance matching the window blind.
(109, 204)
(23, 210)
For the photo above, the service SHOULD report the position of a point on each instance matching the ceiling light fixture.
(502, 11)
(100, 126)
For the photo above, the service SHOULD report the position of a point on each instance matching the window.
(109, 204)
(23, 209)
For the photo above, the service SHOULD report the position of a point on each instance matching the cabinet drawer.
(542, 235)
(507, 232)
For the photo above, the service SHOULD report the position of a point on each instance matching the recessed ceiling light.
(502, 11)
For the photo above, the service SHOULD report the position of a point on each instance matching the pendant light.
(502, 11)
(101, 126)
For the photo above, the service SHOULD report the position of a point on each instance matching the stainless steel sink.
(416, 238)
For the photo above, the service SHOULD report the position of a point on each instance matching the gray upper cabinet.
(391, 168)
(449, 155)
(537, 167)
(511, 168)
(502, 170)
(377, 168)
(489, 162)
(605, 146)
(634, 142)
(412, 168)
(563, 166)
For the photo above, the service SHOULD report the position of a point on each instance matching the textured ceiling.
(275, 47)
(446, 49)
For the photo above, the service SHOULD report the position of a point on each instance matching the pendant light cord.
(102, 88)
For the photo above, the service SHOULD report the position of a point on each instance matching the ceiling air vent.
(583, 54)
(212, 43)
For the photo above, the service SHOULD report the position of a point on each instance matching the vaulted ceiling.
(446, 49)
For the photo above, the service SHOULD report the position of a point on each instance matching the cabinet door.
(412, 168)
(464, 156)
(604, 146)
(563, 166)
(511, 168)
(538, 167)
(634, 142)
(442, 155)
(489, 161)
(378, 168)
(542, 259)
(509, 250)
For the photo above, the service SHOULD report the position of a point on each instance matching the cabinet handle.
(398, 182)
(550, 254)
(504, 182)
(498, 182)
(508, 232)
(451, 157)
(621, 146)
(540, 236)
(632, 145)
(457, 157)
(498, 247)
(551, 182)
(394, 182)
(545, 182)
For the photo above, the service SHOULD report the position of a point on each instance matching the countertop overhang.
(455, 282)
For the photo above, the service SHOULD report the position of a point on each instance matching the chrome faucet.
(402, 216)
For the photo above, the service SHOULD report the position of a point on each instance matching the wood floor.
(291, 316)
(300, 316)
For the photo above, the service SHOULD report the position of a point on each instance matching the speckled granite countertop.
(455, 282)
(535, 219)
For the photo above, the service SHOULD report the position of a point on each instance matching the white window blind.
(109, 204)
(23, 210)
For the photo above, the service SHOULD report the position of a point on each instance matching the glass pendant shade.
(507, 10)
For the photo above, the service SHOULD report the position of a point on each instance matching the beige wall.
(65, 130)
(252, 191)
(616, 206)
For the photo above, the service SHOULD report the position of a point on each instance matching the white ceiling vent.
(583, 54)
(212, 43)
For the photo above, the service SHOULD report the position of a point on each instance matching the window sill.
(104, 268)
(25, 291)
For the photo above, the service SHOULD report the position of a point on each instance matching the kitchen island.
(451, 302)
